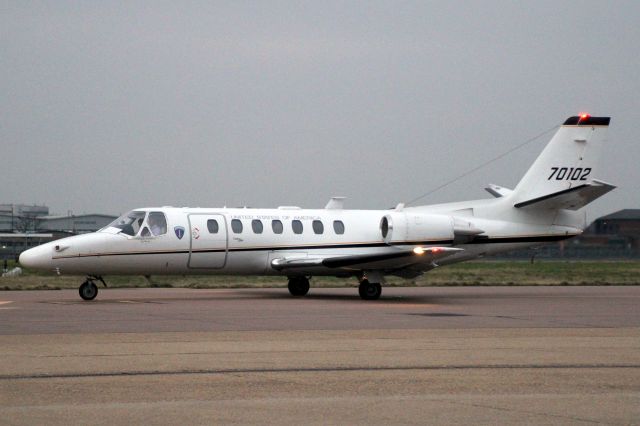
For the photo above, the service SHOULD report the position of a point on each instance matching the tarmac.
(431, 355)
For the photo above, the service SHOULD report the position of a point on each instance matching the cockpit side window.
(157, 223)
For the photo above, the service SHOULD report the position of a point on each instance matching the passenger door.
(208, 248)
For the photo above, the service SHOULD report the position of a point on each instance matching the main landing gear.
(369, 290)
(370, 287)
(89, 290)
(298, 286)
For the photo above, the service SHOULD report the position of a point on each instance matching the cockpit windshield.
(134, 224)
(129, 223)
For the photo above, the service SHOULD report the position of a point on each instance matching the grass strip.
(474, 273)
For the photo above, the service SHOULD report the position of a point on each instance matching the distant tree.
(25, 223)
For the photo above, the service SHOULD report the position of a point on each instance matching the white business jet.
(367, 244)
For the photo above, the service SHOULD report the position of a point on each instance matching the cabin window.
(277, 227)
(338, 227)
(257, 227)
(296, 225)
(212, 226)
(236, 226)
(318, 227)
(157, 223)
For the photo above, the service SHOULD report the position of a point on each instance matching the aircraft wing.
(390, 260)
(570, 199)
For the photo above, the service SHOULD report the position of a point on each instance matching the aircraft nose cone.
(36, 258)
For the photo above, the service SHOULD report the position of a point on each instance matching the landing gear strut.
(298, 286)
(369, 290)
(89, 290)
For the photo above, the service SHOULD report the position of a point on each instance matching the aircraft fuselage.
(188, 245)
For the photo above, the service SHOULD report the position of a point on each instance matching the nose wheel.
(89, 290)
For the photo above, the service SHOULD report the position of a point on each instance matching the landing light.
(422, 250)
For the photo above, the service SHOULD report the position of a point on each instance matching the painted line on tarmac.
(6, 302)
(100, 302)
(317, 370)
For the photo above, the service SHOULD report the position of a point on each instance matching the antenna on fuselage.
(335, 203)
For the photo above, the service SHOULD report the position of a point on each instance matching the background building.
(20, 217)
(80, 224)
(614, 236)
(24, 226)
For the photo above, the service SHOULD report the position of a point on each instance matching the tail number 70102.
(569, 173)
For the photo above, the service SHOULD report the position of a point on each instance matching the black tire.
(298, 286)
(370, 291)
(88, 290)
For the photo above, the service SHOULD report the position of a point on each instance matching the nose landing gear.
(89, 290)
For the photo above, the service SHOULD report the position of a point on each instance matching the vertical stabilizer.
(570, 159)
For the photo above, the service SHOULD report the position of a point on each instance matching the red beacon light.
(584, 116)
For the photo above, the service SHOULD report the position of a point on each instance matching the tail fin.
(562, 176)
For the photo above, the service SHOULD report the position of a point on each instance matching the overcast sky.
(108, 106)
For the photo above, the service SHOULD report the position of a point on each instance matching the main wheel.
(88, 290)
(370, 291)
(298, 286)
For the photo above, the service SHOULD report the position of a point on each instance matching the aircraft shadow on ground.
(348, 297)
(265, 294)
(439, 296)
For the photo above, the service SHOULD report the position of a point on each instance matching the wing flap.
(283, 263)
(399, 258)
(570, 199)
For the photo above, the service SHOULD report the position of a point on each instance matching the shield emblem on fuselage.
(179, 230)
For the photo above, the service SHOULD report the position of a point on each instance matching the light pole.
(4, 259)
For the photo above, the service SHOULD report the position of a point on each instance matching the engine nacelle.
(417, 228)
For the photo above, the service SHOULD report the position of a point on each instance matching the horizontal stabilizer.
(406, 257)
(498, 191)
(570, 199)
